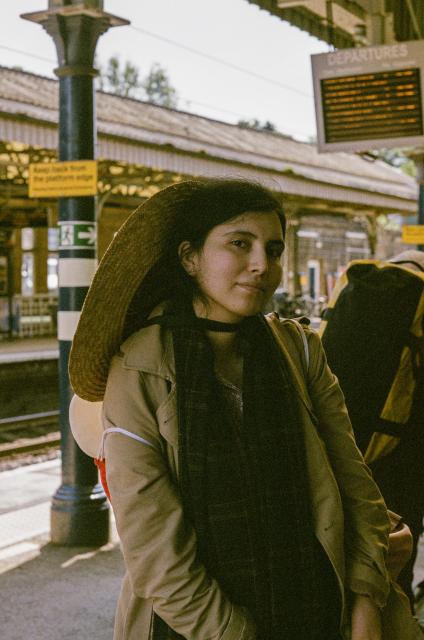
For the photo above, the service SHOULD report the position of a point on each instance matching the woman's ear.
(188, 258)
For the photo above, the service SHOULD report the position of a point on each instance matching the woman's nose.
(259, 260)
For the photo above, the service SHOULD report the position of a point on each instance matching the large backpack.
(372, 333)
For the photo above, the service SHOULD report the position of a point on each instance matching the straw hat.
(136, 272)
(105, 319)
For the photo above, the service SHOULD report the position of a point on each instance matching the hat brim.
(85, 419)
(138, 245)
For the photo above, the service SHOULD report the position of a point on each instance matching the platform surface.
(25, 349)
(59, 593)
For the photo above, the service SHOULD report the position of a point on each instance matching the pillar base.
(79, 516)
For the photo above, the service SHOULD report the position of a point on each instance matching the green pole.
(79, 513)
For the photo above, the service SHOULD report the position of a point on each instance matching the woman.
(244, 508)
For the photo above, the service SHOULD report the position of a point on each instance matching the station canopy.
(142, 148)
(346, 23)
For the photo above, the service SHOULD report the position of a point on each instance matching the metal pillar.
(79, 513)
(6, 283)
(419, 163)
(295, 223)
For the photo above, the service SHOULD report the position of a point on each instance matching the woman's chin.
(247, 311)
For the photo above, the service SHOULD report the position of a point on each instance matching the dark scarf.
(246, 493)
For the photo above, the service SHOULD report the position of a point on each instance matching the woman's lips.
(253, 288)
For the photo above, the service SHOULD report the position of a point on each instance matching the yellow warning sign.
(62, 179)
(413, 234)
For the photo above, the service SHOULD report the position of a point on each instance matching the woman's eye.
(239, 243)
(275, 253)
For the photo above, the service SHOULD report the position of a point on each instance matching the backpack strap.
(300, 329)
(298, 323)
(124, 432)
(416, 264)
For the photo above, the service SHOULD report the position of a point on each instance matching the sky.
(234, 31)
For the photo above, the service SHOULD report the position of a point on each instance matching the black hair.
(215, 201)
(211, 203)
(197, 207)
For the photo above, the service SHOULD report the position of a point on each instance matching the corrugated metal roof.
(132, 130)
(310, 16)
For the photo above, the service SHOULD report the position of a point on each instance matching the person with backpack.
(243, 505)
(372, 333)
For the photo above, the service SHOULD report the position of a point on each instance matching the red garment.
(101, 465)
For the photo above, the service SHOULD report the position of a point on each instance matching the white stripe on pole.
(66, 324)
(76, 272)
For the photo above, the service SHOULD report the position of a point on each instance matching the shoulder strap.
(416, 264)
(298, 324)
(301, 330)
(289, 344)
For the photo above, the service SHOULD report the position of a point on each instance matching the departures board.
(370, 97)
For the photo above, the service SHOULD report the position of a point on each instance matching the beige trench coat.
(159, 547)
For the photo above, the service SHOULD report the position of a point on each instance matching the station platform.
(50, 592)
(60, 593)
(27, 349)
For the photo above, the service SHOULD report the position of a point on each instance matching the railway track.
(23, 435)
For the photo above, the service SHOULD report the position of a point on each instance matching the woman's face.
(239, 266)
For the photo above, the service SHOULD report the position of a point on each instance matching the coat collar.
(150, 350)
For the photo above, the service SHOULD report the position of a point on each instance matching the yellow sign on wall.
(62, 179)
(413, 234)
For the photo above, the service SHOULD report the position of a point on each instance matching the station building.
(333, 201)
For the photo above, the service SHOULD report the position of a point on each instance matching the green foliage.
(390, 223)
(396, 158)
(254, 123)
(409, 168)
(124, 80)
(158, 88)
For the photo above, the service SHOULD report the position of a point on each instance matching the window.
(53, 238)
(52, 276)
(27, 265)
(27, 239)
(27, 274)
(52, 260)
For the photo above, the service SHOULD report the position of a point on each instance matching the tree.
(124, 80)
(396, 158)
(158, 88)
(254, 123)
